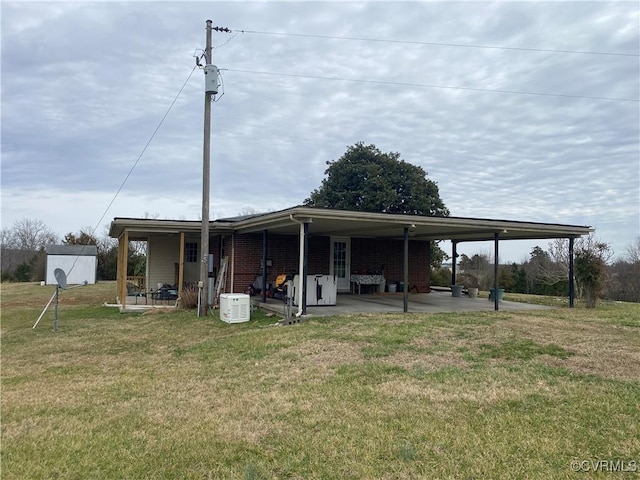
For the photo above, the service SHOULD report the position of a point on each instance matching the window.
(191, 252)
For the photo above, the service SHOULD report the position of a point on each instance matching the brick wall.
(374, 255)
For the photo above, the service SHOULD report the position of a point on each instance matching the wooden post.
(122, 267)
(181, 265)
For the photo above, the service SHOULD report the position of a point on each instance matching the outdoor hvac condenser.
(235, 307)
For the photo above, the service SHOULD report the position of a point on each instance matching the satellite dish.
(61, 278)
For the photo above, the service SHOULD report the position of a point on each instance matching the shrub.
(468, 280)
(440, 277)
(189, 296)
(23, 272)
(590, 272)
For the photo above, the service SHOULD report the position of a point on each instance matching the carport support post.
(305, 261)
(495, 271)
(454, 254)
(265, 237)
(572, 292)
(121, 270)
(405, 292)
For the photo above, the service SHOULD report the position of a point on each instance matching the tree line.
(22, 249)
(546, 272)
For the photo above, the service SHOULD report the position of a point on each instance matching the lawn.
(443, 396)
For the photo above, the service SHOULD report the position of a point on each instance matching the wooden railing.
(139, 281)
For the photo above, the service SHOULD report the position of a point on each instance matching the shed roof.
(75, 250)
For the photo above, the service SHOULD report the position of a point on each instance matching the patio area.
(434, 302)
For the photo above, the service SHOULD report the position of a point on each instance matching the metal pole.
(495, 271)
(45, 309)
(572, 292)
(206, 178)
(454, 255)
(55, 310)
(305, 261)
(405, 267)
(265, 238)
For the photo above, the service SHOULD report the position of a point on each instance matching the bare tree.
(22, 247)
(633, 252)
(30, 235)
(624, 276)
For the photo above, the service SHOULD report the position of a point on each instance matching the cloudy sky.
(518, 110)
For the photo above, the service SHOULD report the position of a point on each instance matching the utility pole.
(206, 179)
(210, 89)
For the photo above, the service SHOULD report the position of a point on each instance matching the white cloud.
(86, 84)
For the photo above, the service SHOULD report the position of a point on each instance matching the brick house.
(343, 244)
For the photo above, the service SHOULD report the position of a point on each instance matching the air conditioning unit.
(235, 307)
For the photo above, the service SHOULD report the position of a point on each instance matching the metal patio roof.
(329, 222)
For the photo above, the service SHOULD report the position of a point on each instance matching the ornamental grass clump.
(189, 297)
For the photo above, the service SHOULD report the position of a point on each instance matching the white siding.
(77, 268)
(163, 253)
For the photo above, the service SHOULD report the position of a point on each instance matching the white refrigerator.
(321, 290)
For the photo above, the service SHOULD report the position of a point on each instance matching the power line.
(93, 232)
(424, 85)
(144, 150)
(440, 44)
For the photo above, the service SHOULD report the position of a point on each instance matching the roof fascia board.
(490, 226)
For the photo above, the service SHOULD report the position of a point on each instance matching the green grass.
(168, 395)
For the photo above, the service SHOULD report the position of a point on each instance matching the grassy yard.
(446, 396)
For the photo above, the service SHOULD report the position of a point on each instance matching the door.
(340, 266)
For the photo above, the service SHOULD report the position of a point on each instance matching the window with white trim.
(191, 252)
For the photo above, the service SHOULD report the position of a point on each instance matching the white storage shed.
(79, 262)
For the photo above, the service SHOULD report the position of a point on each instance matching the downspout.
(301, 279)
(233, 259)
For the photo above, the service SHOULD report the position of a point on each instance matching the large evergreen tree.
(368, 180)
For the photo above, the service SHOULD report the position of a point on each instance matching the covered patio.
(409, 232)
(408, 228)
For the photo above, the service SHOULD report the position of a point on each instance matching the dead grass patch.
(425, 362)
(308, 362)
(599, 349)
(160, 311)
(326, 353)
(484, 393)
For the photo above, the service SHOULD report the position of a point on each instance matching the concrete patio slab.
(434, 302)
